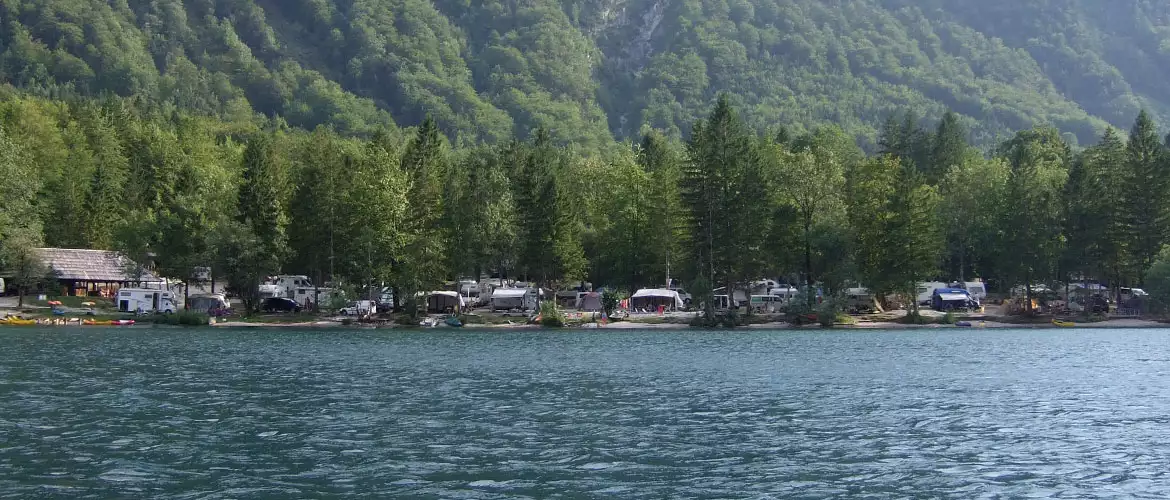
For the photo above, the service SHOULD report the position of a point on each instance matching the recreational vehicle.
(146, 300)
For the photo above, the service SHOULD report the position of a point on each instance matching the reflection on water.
(89, 413)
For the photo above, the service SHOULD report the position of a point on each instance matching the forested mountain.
(589, 70)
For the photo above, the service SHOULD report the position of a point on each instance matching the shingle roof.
(91, 265)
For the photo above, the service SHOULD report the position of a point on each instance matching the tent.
(590, 302)
(513, 298)
(651, 299)
(441, 302)
(946, 299)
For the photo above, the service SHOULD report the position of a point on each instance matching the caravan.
(146, 300)
(925, 292)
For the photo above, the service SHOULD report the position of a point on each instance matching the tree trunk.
(1028, 291)
(808, 259)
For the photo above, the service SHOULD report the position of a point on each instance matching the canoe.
(1063, 324)
(963, 324)
(115, 322)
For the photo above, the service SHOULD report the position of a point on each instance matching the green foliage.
(1157, 280)
(550, 315)
(609, 301)
(184, 318)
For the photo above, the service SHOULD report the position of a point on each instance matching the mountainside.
(590, 70)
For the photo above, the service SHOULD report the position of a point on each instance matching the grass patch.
(71, 302)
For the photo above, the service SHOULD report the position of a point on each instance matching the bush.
(609, 302)
(184, 318)
(550, 315)
(948, 319)
(827, 312)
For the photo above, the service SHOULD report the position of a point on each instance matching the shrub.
(550, 315)
(609, 302)
(827, 312)
(948, 319)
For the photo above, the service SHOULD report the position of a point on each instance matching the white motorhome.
(146, 300)
(311, 295)
(925, 291)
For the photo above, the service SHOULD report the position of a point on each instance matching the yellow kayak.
(17, 322)
(1063, 324)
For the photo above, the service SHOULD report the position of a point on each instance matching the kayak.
(1063, 324)
(963, 324)
(114, 322)
(18, 322)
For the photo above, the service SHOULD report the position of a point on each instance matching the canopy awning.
(951, 297)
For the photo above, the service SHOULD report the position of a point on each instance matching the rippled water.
(88, 413)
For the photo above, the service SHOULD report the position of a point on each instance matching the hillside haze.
(593, 70)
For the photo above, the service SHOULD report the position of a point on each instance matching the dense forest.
(589, 70)
(411, 143)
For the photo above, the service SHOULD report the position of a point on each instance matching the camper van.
(146, 300)
(925, 291)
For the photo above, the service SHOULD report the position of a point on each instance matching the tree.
(20, 261)
(813, 185)
(1031, 222)
(1157, 281)
(665, 226)
(325, 167)
(262, 212)
(423, 264)
(950, 148)
(971, 193)
(725, 194)
(895, 218)
(17, 191)
(377, 209)
(1097, 222)
(1147, 195)
(551, 248)
(482, 213)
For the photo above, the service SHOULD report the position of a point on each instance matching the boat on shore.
(15, 321)
(112, 322)
(1063, 324)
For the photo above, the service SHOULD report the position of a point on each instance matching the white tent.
(443, 301)
(650, 298)
(513, 298)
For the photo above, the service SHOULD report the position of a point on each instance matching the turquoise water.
(172, 413)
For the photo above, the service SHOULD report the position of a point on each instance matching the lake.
(949, 413)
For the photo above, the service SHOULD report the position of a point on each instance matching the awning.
(509, 293)
(951, 297)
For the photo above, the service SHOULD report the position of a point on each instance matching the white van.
(146, 300)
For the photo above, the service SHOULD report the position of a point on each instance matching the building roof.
(92, 265)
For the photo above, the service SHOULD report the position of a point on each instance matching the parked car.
(280, 304)
(359, 308)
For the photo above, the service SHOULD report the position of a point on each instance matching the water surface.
(171, 413)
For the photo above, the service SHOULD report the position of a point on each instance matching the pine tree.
(1148, 193)
(1031, 222)
(262, 206)
(724, 191)
(895, 218)
(423, 266)
(665, 227)
(950, 147)
(550, 246)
